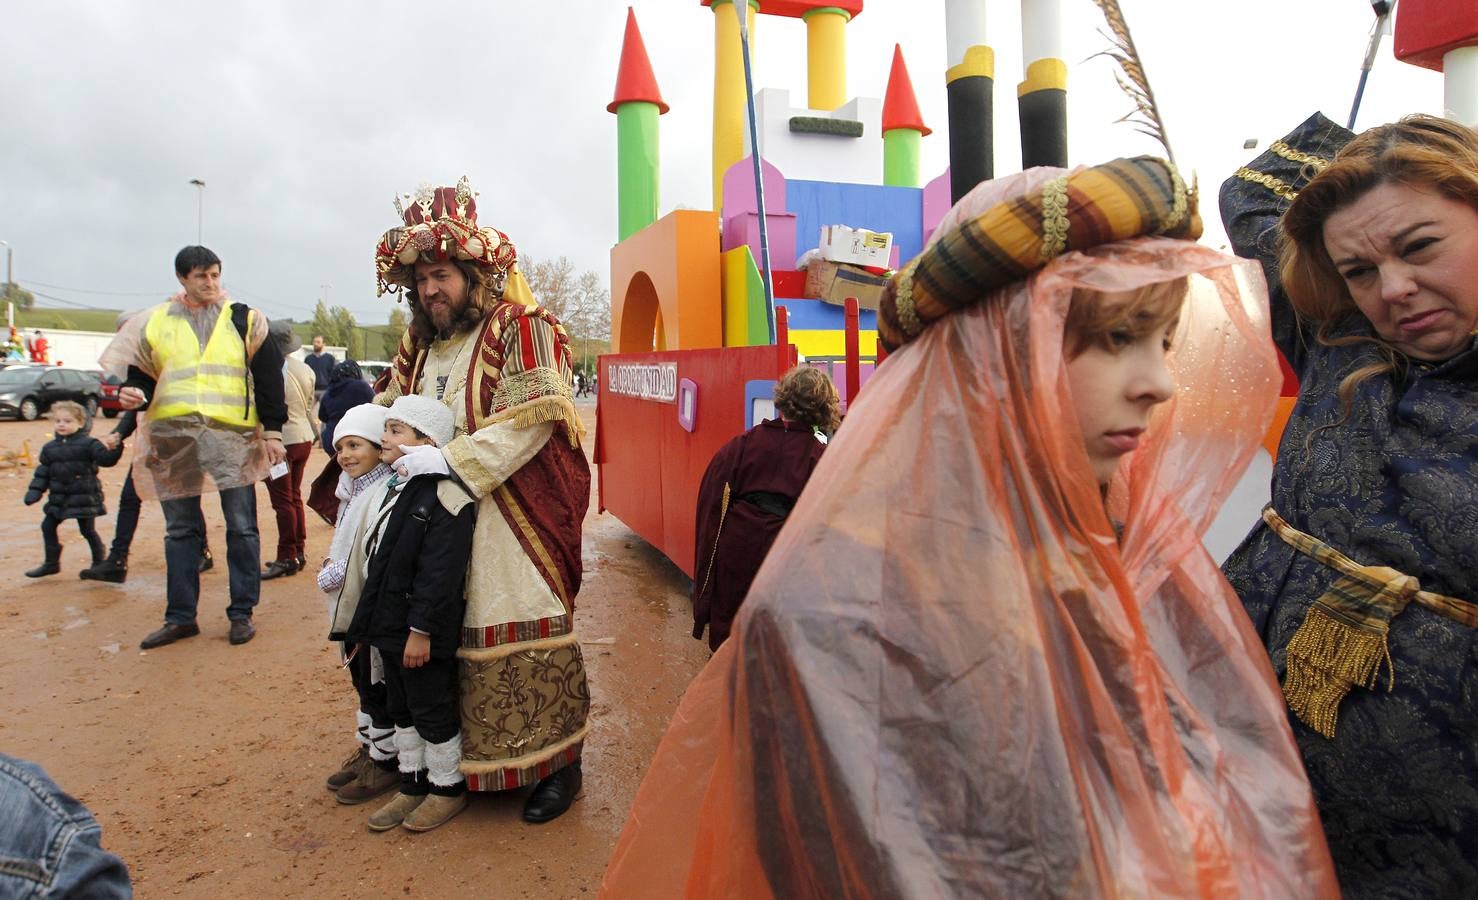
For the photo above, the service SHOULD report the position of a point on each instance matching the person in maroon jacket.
(749, 489)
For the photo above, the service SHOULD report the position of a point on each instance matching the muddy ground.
(205, 762)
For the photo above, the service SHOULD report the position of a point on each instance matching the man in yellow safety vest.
(211, 389)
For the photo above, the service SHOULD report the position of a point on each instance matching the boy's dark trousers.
(371, 696)
(425, 698)
(49, 525)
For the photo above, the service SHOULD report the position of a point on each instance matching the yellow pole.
(728, 92)
(826, 57)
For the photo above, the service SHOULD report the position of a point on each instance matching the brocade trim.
(1054, 218)
(1281, 149)
(464, 462)
(1276, 185)
(903, 303)
(490, 636)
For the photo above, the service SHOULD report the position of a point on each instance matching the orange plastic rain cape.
(952, 678)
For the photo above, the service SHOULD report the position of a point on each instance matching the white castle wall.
(819, 157)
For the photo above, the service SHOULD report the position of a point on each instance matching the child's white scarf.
(351, 517)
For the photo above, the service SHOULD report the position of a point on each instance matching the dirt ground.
(205, 762)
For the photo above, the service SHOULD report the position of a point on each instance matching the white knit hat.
(365, 420)
(430, 417)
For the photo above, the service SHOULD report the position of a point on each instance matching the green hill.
(67, 319)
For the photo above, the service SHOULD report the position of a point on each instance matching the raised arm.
(1253, 201)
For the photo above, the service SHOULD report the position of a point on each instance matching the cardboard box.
(857, 246)
(834, 282)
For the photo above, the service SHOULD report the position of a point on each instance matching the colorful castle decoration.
(692, 362)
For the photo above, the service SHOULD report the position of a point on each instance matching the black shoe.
(207, 562)
(168, 635)
(242, 631)
(278, 568)
(114, 571)
(553, 795)
(301, 563)
(50, 567)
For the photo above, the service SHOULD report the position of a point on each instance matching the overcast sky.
(306, 118)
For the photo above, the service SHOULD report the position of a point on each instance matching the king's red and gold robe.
(524, 697)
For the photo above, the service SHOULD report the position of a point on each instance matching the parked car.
(108, 400)
(29, 392)
(371, 369)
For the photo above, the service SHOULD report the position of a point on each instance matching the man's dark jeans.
(128, 518)
(184, 536)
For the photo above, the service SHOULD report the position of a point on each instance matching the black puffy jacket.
(69, 472)
(416, 576)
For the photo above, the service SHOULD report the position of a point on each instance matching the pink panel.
(936, 203)
(739, 188)
(744, 228)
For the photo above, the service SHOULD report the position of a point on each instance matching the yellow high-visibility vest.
(210, 381)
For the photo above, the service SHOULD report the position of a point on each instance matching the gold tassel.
(545, 409)
(1327, 657)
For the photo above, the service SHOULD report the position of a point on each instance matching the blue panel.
(756, 391)
(872, 206)
(813, 315)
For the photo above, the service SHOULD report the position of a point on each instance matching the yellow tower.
(728, 91)
(826, 68)
(826, 57)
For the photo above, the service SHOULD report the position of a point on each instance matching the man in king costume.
(480, 344)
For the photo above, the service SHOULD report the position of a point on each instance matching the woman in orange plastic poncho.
(970, 668)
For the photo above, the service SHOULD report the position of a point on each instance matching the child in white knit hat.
(416, 542)
(373, 768)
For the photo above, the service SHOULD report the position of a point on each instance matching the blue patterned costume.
(1395, 484)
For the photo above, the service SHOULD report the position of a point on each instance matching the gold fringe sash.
(1342, 641)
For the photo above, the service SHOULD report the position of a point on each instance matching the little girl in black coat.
(69, 470)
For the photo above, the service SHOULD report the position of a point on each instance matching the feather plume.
(1146, 115)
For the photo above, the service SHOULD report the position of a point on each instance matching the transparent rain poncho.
(190, 455)
(958, 674)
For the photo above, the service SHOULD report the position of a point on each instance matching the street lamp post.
(9, 280)
(199, 210)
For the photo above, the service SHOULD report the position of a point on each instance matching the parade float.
(709, 307)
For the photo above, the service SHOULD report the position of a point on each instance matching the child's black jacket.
(68, 470)
(417, 574)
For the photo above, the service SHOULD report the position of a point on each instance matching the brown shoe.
(369, 782)
(348, 769)
(168, 635)
(434, 812)
(394, 812)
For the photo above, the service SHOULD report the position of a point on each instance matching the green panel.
(901, 160)
(758, 322)
(637, 164)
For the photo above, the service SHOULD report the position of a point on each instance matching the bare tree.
(579, 300)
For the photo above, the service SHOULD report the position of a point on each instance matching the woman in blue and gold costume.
(1362, 577)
